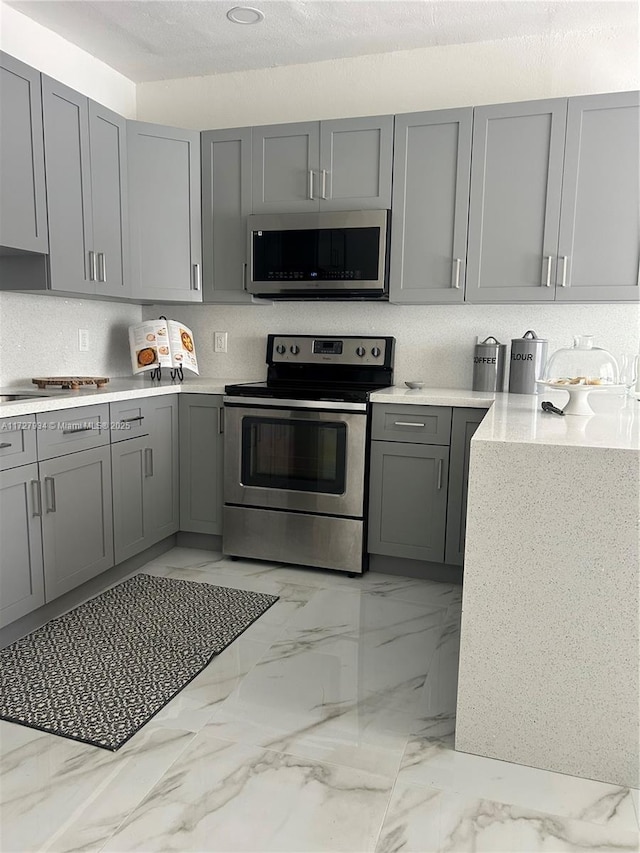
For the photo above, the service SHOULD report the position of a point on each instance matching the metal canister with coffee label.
(528, 357)
(489, 359)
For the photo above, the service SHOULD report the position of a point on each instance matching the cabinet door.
(66, 150)
(21, 578)
(465, 423)
(514, 211)
(285, 160)
(77, 524)
(408, 500)
(430, 206)
(23, 213)
(164, 213)
(130, 463)
(226, 203)
(201, 461)
(107, 134)
(599, 246)
(163, 484)
(355, 163)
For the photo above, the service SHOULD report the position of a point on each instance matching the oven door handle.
(275, 403)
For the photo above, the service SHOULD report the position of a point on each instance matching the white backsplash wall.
(434, 342)
(39, 337)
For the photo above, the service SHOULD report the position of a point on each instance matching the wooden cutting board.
(72, 382)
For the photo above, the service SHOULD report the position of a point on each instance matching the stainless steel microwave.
(337, 255)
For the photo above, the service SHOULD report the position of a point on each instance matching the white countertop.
(511, 417)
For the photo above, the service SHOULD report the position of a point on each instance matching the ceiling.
(165, 39)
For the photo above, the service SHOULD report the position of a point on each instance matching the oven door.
(300, 458)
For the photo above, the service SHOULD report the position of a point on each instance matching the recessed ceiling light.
(245, 15)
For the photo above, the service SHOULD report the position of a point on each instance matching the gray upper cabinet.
(342, 164)
(226, 203)
(23, 213)
(514, 212)
(164, 213)
(599, 245)
(432, 163)
(85, 155)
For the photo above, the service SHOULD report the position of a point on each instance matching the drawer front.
(17, 441)
(129, 420)
(70, 430)
(416, 424)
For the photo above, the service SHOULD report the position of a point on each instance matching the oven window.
(295, 455)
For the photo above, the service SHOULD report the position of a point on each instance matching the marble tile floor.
(327, 726)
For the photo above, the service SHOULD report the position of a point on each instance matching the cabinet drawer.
(69, 430)
(129, 420)
(17, 441)
(419, 424)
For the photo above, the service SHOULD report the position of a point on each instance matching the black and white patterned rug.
(98, 673)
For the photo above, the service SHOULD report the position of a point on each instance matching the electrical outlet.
(220, 342)
(83, 340)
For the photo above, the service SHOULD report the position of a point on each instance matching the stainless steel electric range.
(296, 466)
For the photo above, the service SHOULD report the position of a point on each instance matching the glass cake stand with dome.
(581, 369)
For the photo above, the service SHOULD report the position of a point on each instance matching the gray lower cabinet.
(145, 477)
(464, 424)
(598, 247)
(341, 164)
(23, 212)
(226, 203)
(21, 565)
(164, 213)
(201, 462)
(85, 156)
(77, 527)
(408, 500)
(431, 168)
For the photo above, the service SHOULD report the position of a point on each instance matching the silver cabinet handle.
(36, 497)
(456, 279)
(51, 504)
(76, 429)
(439, 473)
(406, 423)
(148, 462)
(221, 421)
(92, 266)
(547, 281)
(102, 267)
(311, 195)
(563, 282)
(324, 184)
(5, 444)
(196, 277)
(132, 420)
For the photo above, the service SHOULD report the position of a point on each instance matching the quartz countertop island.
(549, 656)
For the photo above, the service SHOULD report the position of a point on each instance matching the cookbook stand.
(174, 372)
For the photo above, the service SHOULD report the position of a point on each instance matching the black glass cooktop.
(317, 391)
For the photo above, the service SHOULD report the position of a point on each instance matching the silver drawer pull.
(5, 444)
(406, 423)
(36, 495)
(131, 420)
(148, 462)
(51, 505)
(76, 429)
(439, 473)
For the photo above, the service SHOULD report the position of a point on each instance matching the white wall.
(516, 69)
(434, 342)
(57, 57)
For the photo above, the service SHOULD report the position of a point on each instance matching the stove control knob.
(375, 352)
(281, 349)
(360, 351)
(294, 349)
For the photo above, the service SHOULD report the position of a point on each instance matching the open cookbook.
(161, 343)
